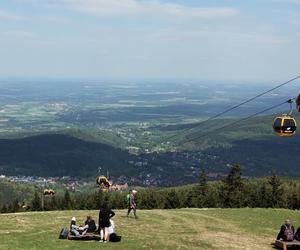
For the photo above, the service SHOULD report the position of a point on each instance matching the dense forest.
(59, 155)
(231, 192)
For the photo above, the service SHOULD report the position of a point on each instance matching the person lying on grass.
(286, 232)
(77, 230)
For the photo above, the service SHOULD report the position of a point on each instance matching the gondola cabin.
(49, 192)
(284, 125)
(103, 182)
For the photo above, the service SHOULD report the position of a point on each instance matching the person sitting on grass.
(105, 214)
(286, 232)
(91, 224)
(112, 233)
(77, 230)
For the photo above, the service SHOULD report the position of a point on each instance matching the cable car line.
(236, 122)
(234, 107)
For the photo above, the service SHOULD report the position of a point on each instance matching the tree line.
(231, 192)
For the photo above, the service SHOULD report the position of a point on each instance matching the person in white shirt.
(111, 229)
(76, 230)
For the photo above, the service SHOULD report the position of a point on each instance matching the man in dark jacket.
(286, 231)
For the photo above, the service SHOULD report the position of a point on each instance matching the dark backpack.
(128, 198)
(114, 237)
(63, 234)
(288, 233)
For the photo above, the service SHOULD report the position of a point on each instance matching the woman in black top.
(91, 223)
(104, 216)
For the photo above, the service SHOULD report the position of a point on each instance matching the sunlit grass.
(155, 229)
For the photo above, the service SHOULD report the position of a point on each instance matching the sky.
(225, 40)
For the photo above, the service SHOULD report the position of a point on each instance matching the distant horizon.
(143, 81)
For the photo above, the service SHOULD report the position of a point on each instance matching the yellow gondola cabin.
(284, 125)
(103, 182)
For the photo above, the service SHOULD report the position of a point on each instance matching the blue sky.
(257, 40)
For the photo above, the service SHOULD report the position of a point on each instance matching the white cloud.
(288, 1)
(5, 15)
(10, 16)
(154, 8)
(18, 34)
(221, 36)
(295, 22)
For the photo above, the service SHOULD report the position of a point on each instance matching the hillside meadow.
(154, 229)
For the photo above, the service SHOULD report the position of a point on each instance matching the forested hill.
(252, 145)
(58, 155)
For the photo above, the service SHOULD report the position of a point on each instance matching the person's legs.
(106, 234)
(75, 232)
(129, 209)
(84, 229)
(134, 212)
(101, 234)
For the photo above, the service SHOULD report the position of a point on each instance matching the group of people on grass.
(89, 226)
(106, 226)
(105, 229)
(287, 232)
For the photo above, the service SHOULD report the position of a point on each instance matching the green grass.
(155, 229)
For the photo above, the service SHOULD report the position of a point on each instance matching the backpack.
(114, 237)
(128, 198)
(288, 233)
(63, 234)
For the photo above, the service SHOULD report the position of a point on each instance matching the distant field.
(155, 229)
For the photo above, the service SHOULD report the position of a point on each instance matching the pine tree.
(98, 199)
(53, 204)
(82, 202)
(232, 188)
(15, 206)
(190, 198)
(36, 202)
(4, 208)
(277, 191)
(172, 200)
(264, 196)
(10, 208)
(201, 190)
(203, 182)
(67, 202)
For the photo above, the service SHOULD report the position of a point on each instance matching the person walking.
(132, 204)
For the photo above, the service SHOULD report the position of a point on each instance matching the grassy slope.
(155, 229)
